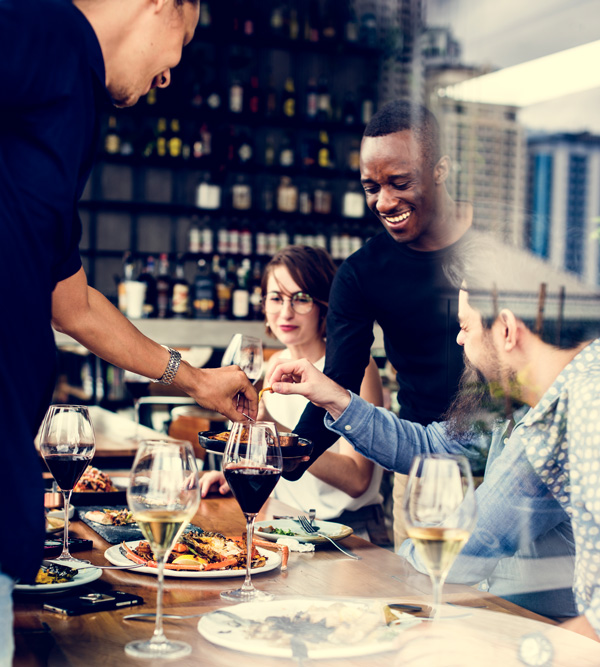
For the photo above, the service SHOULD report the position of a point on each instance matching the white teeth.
(398, 218)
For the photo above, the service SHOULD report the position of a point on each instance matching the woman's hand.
(299, 376)
(213, 481)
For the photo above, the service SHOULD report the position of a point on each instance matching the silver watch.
(172, 367)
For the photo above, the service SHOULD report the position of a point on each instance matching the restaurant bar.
(301, 353)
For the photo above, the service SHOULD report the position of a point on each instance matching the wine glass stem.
(136, 410)
(437, 584)
(66, 555)
(159, 636)
(247, 586)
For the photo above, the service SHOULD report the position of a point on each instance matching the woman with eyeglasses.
(341, 484)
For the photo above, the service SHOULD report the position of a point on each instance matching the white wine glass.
(163, 495)
(440, 512)
(247, 353)
(252, 466)
(67, 445)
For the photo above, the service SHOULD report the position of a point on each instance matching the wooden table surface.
(46, 638)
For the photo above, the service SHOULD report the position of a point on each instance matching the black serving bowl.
(293, 454)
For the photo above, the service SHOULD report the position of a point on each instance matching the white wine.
(161, 528)
(438, 546)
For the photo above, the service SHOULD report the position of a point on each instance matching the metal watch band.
(172, 367)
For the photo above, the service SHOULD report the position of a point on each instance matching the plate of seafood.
(54, 577)
(199, 555)
(317, 628)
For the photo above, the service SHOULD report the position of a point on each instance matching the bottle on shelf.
(161, 137)
(147, 276)
(324, 155)
(304, 201)
(287, 154)
(223, 293)
(255, 291)
(270, 100)
(323, 100)
(267, 196)
(208, 194)
(294, 25)
(205, 20)
(163, 287)
(128, 269)
(203, 303)
(202, 144)
(329, 30)
(180, 293)
(288, 102)
(350, 23)
(353, 161)
(353, 204)
(245, 239)
(244, 149)
(240, 296)
(214, 97)
(194, 236)
(367, 107)
(233, 238)
(248, 19)
(312, 22)
(368, 26)
(253, 105)
(283, 238)
(241, 194)
(269, 151)
(287, 196)
(236, 96)
(311, 99)
(174, 140)
(276, 20)
(112, 138)
(322, 199)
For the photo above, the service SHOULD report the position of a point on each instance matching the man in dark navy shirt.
(60, 61)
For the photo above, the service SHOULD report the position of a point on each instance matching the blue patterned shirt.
(562, 443)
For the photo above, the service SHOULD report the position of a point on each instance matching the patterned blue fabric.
(562, 443)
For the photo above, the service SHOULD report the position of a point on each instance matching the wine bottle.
(287, 155)
(311, 99)
(203, 304)
(240, 297)
(288, 105)
(323, 100)
(180, 293)
(253, 97)
(147, 276)
(174, 140)
(236, 96)
(163, 287)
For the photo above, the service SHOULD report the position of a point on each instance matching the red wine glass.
(67, 445)
(252, 466)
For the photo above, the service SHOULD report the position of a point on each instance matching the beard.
(479, 405)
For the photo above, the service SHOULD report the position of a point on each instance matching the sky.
(512, 31)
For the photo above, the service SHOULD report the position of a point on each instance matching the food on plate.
(55, 574)
(108, 517)
(53, 523)
(338, 623)
(278, 531)
(204, 551)
(94, 480)
(262, 391)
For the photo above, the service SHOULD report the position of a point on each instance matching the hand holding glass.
(67, 446)
(439, 511)
(252, 466)
(247, 353)
(163, 495)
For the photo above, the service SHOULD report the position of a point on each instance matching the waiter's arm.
(83, 313)
(349, 341)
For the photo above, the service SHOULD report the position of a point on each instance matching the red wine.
(137, 389)
(251, 486)
(67, 469)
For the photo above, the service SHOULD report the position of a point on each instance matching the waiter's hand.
(226, 390)
(299, 376)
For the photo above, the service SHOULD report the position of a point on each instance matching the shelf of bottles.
(260, 133)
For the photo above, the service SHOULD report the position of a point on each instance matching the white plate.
(217, 630)
(60, 514)
(336, 531)
(115, 556)
(122, 483)
(85, 575)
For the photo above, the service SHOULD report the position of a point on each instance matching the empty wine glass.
(67, 446)
(247, 353)
(163, 495)
(252, 466)
(439, 511)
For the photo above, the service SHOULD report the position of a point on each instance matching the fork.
(312, 530)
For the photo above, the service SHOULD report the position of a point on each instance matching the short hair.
(496, 277)
(312, 269)
(401, 115)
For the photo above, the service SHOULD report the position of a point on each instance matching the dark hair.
(311, 268)
(497, 277)
(400, 115)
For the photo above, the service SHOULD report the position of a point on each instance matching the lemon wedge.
(185, 558)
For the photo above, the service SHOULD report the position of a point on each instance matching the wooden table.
(45, 638)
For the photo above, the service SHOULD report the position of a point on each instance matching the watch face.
(536, 650)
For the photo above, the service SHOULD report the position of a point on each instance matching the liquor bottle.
(283, 239)
(353, 204)
(350, 23)
(112, 139)
(311, 99)
(261, 240)
(180, 293)
(163, 287)
(269, 151)
(287, 155)
(276, 21)
(304, 201)
(202, 143)
(324, 155)
(253, 97)
(323, 100)
(328, 23)
(174, 140)
(233, 239)
(240, 296)
(147, 276)
(353, 161)
(311, 24)
(245, 239)
(161, 137)
(194, 238)
(236, 96)
(241, 194)
(208, 195)
(368, 26)
(248, 19)
(322, 199)
(206, 237)
(244, 149)
(288, 104)
(203, 304)
(294, 26)
(223, 293)
(287, 196)
(267, 197)
(256, 292)
(270, 100)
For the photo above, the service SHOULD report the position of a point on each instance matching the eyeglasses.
(301, 302)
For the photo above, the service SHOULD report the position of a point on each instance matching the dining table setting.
(163, 575)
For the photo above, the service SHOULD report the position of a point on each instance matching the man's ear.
(441, 171)
(510, 330)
